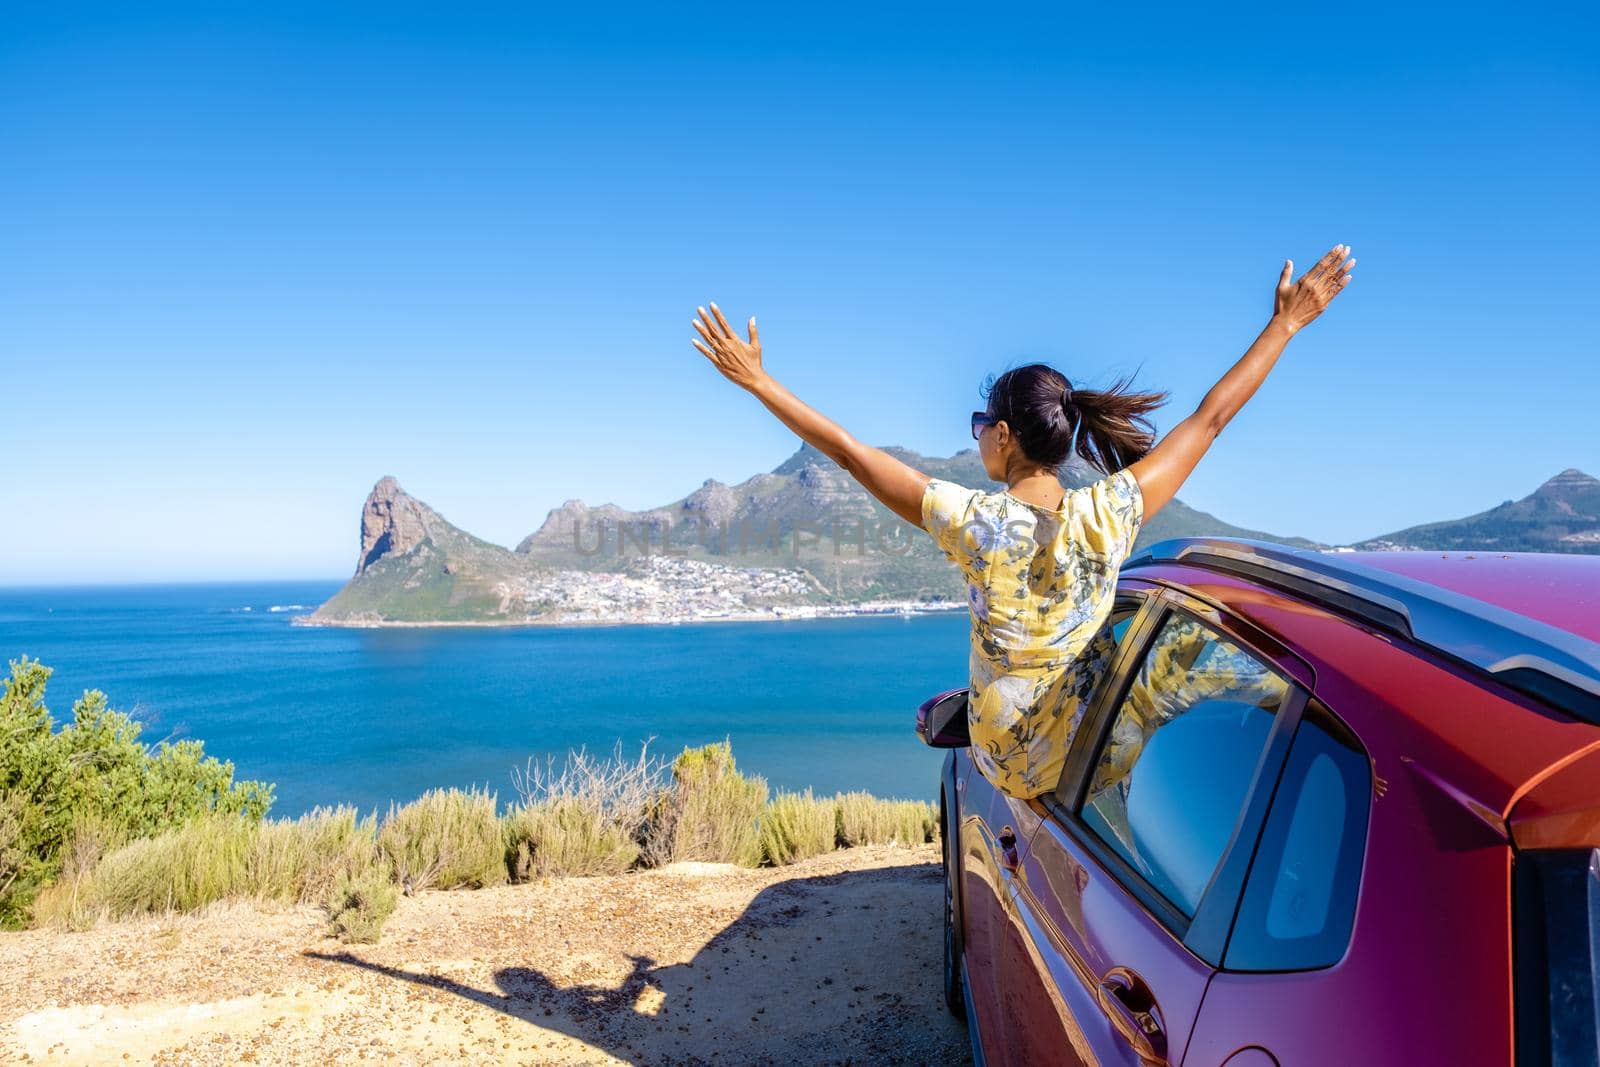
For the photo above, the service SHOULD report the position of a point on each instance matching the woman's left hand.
(737, 359)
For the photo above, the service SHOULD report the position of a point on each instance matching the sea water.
(367, 717)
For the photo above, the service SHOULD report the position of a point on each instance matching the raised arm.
(898, 485)
(1165, 468)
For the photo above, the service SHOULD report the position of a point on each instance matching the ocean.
(370, 717)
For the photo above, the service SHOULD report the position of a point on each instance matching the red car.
(1322, 808)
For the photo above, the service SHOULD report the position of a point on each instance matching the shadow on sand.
(840, 968)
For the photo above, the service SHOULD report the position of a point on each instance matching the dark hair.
(1109, 428)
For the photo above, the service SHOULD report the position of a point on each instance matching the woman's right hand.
(1297, 303)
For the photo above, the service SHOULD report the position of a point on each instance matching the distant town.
(662, 589)
(674, 589)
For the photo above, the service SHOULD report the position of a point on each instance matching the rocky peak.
(1569, 479)
(806, 456)
(558, 525)
(392, 523)
(713, 502)
(576, 522)
(1572, 495)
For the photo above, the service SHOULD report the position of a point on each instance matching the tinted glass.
(1091, 666)
(1556, 949)
(1122, 618)
(1171, 777)
(1300, 897)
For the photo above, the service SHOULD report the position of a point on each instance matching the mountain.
(415, 566)
(808, 489)
(802, 538)
(1562, 515)
(809, 499)
(804, 535)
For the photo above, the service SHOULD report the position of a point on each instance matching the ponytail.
(1051, 419)
(1114, 427)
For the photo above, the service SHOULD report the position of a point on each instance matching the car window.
(1300, 897)
(1089, 669)
(1122, 615)
(1094, 664)
(1555, 903)
(1172, 773)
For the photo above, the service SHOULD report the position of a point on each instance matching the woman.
(1040, 564)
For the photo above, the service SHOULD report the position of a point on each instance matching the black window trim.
(1206, 934)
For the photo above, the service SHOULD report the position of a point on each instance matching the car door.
(993, 833)
(1012, 995)
(1123, 899)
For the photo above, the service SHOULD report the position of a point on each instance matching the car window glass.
(1555, 900)
(1172, 773)
(1080, 684)
(1303, 888)
(1094, 663)
(1122, 618)
(1300, 897)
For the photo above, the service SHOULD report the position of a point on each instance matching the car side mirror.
(942, 720)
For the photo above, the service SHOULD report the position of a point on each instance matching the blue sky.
(251, 261)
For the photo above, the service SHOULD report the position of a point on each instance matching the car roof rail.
(1535, 658)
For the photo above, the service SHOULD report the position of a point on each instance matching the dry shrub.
(589, 816)
(92, 837)
(302, 860)
(445, 839)
(208, 859)
(565, 837)
(360, 904)
(203, 861)
(796, 826)
(864, 819)
(584, 819)
(710, 812)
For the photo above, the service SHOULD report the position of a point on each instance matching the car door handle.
(1131, 1007)
(1007, 839)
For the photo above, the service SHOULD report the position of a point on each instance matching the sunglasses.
(980, 419)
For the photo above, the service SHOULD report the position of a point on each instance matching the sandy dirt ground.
(834, 960)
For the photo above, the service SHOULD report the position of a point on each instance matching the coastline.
(887, 609)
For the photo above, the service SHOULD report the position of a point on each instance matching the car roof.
(1524, 618)
(1562, 589)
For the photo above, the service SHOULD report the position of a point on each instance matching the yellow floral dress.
(1040, 585)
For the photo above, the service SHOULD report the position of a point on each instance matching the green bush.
(92, 784)
(445, 839)
(710, 812)
(864, 819)
(797, 826)
(360, 905)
